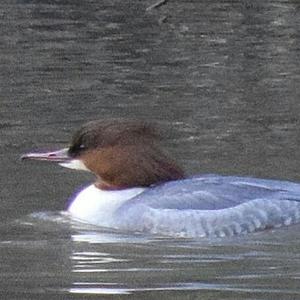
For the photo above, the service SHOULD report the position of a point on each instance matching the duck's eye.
(76, 150)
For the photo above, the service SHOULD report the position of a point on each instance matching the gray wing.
(212, 192)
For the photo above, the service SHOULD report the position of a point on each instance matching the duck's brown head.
(120, 153)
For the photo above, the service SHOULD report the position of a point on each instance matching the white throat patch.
(75, 164)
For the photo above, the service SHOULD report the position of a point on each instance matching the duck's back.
(212, 205)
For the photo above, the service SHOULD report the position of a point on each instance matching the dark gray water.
(222, 76)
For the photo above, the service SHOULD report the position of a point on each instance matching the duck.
(139, 188)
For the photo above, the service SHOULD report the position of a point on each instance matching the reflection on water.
(237, 265)
(81, 259)
(224, 75)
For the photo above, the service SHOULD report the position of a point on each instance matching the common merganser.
(139, 188)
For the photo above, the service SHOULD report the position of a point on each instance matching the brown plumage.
(123, 154)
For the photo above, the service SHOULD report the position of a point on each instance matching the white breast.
(96, 206)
